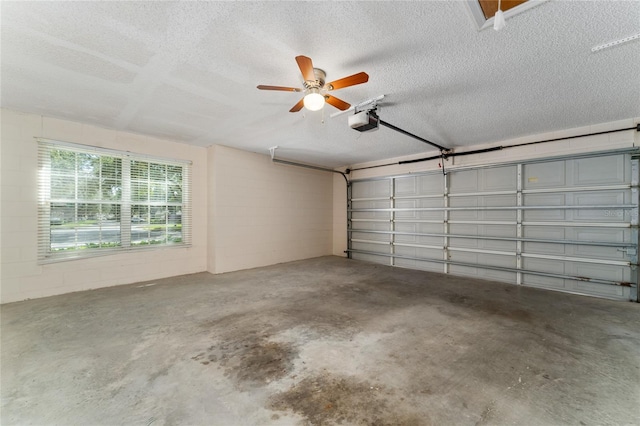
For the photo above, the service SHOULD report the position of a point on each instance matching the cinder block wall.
(21, 277)
(262, 213)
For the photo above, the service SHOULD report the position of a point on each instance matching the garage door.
(562, 223)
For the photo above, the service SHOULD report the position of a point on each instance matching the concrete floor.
(320, 341)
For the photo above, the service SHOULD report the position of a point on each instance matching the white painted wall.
(572, 146)
(21, 277)
(264, 213)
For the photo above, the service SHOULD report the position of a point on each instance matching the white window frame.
(126, 201)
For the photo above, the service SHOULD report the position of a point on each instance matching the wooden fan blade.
(338, 103)
(297, 107)
(352, 80)
(306, 67)
(285, 89)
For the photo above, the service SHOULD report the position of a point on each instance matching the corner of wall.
(339, 215)
(211, 206)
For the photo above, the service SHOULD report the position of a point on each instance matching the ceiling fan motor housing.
(318, 82)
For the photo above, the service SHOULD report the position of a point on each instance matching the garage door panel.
(588, 198)
(499, 215)
(597, 271)
(371, 258)
(372, 215)
(419, 252)
(508, 231)
(463, 214)
(592, 271)
(553, 215)
(609, 170)
(544, 248)
(498, 201)
(492, 245)
(480, 243)
(371, 189)
(547, 266)
(597, 252)
(371, 226)
(498, 179)
(604, 272)
(557, 284)
(421, 240)
(598, 198)
(418, 204)
(370, 204)
(464, 229)
(497, 245)
(553, 199)
(615, 235)
(463, 182)
(480, 273)
(598, 290)
(484, 180)
(416, 264)
(407, 186)
(419, 227)
(495, 275)
(500, 230)
(464, 243)
(544, 175)
(483, 259)
(546, 232)
(600, 215)
(374, 247)
(419, 185)
(370, 236)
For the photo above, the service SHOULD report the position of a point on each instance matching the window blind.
(94, 201)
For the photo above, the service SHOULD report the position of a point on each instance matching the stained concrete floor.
(321, 341)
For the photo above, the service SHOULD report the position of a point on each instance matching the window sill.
(101, 253)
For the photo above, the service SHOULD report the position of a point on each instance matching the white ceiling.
(188, 71)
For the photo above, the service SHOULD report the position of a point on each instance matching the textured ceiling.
(188, 71)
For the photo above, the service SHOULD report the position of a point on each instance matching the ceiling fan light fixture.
(314, 101)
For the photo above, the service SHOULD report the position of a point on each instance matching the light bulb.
(498, 21)
(313, 101)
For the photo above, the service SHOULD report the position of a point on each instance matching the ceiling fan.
(315, 88)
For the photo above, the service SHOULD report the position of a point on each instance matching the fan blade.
(306, 67)
(352, 80)
(338, 103)
(285, 89)
(297, 107)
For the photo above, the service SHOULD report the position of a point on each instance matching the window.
(94, 201)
